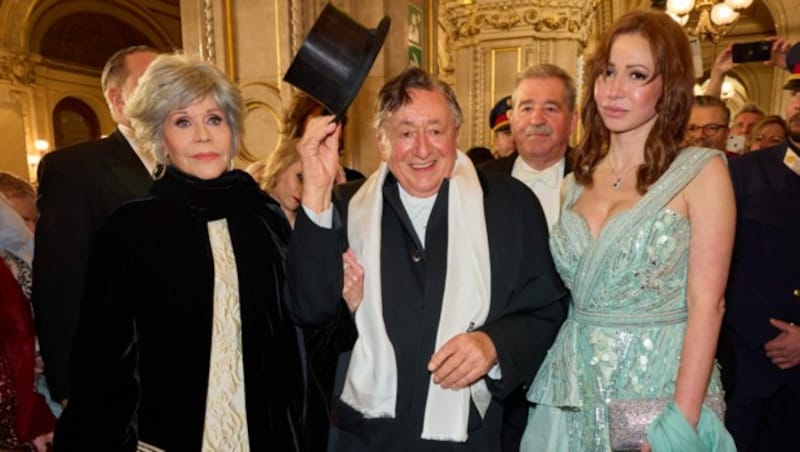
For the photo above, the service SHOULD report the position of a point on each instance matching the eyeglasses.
(708, 129)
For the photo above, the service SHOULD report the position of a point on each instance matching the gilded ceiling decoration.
(563, 19)
(17, 68)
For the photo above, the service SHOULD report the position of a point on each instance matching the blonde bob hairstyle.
(283, 157)
(175, 81)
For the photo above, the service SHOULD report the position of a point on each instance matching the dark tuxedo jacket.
(350, 174)
(516, 404)
(528, 305)
(765, 270)
(79, 186)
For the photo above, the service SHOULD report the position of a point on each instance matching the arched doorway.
(74, 122)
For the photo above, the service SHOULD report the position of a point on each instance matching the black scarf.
(233, 192)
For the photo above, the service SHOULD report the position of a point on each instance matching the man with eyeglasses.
(708, 123)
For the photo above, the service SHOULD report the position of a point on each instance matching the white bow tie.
(548, 177)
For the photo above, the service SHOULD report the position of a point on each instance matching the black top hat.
(335, 58)
(498, 117)
(793, 66)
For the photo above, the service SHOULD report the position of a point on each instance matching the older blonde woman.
(184, 342)
(770, 131)
(281, 177)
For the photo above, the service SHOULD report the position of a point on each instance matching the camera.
(752, 51)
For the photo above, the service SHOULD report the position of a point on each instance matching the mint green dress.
(623, 336)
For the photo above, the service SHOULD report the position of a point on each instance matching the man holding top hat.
(460, 300)
(763, 294)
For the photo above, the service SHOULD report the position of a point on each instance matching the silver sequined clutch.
(628, 420)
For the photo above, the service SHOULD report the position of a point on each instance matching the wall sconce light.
(41, 145)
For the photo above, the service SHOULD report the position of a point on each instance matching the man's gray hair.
(547, 70)
(394, 94)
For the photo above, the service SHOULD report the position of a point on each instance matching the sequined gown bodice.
(625, 329)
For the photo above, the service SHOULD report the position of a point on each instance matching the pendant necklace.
(617, 178)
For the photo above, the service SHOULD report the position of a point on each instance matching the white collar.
(418, 210)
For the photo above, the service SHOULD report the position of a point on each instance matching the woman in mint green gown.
(643, 242)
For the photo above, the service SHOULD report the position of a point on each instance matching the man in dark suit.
(461, 300)
(763, 294)
(542, 118)
(79, 186)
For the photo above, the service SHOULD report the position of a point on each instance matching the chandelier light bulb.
(738, 4)
(722, 14)
(680, 7)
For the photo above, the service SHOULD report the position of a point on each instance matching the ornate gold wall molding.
(218, 21)
(208, 27)
(294, 26)
(467, 24)
(230, 41)
(17, 68)
(263, 122)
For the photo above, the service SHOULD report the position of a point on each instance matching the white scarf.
(371, 383)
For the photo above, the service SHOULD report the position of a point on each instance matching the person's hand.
(463, 360)
(724, 61)
(42, 443)
(722, 64)
(780, 47)
(646, 447)
(353, 288)
(784, 350)
(319, 155)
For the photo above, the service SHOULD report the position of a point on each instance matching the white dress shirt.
(546, 184)
(418, 210)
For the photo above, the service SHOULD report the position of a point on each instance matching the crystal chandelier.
(715, 18)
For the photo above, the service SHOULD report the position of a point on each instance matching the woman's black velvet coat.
(141, 355)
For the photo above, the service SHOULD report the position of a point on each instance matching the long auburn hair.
(673, 63)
